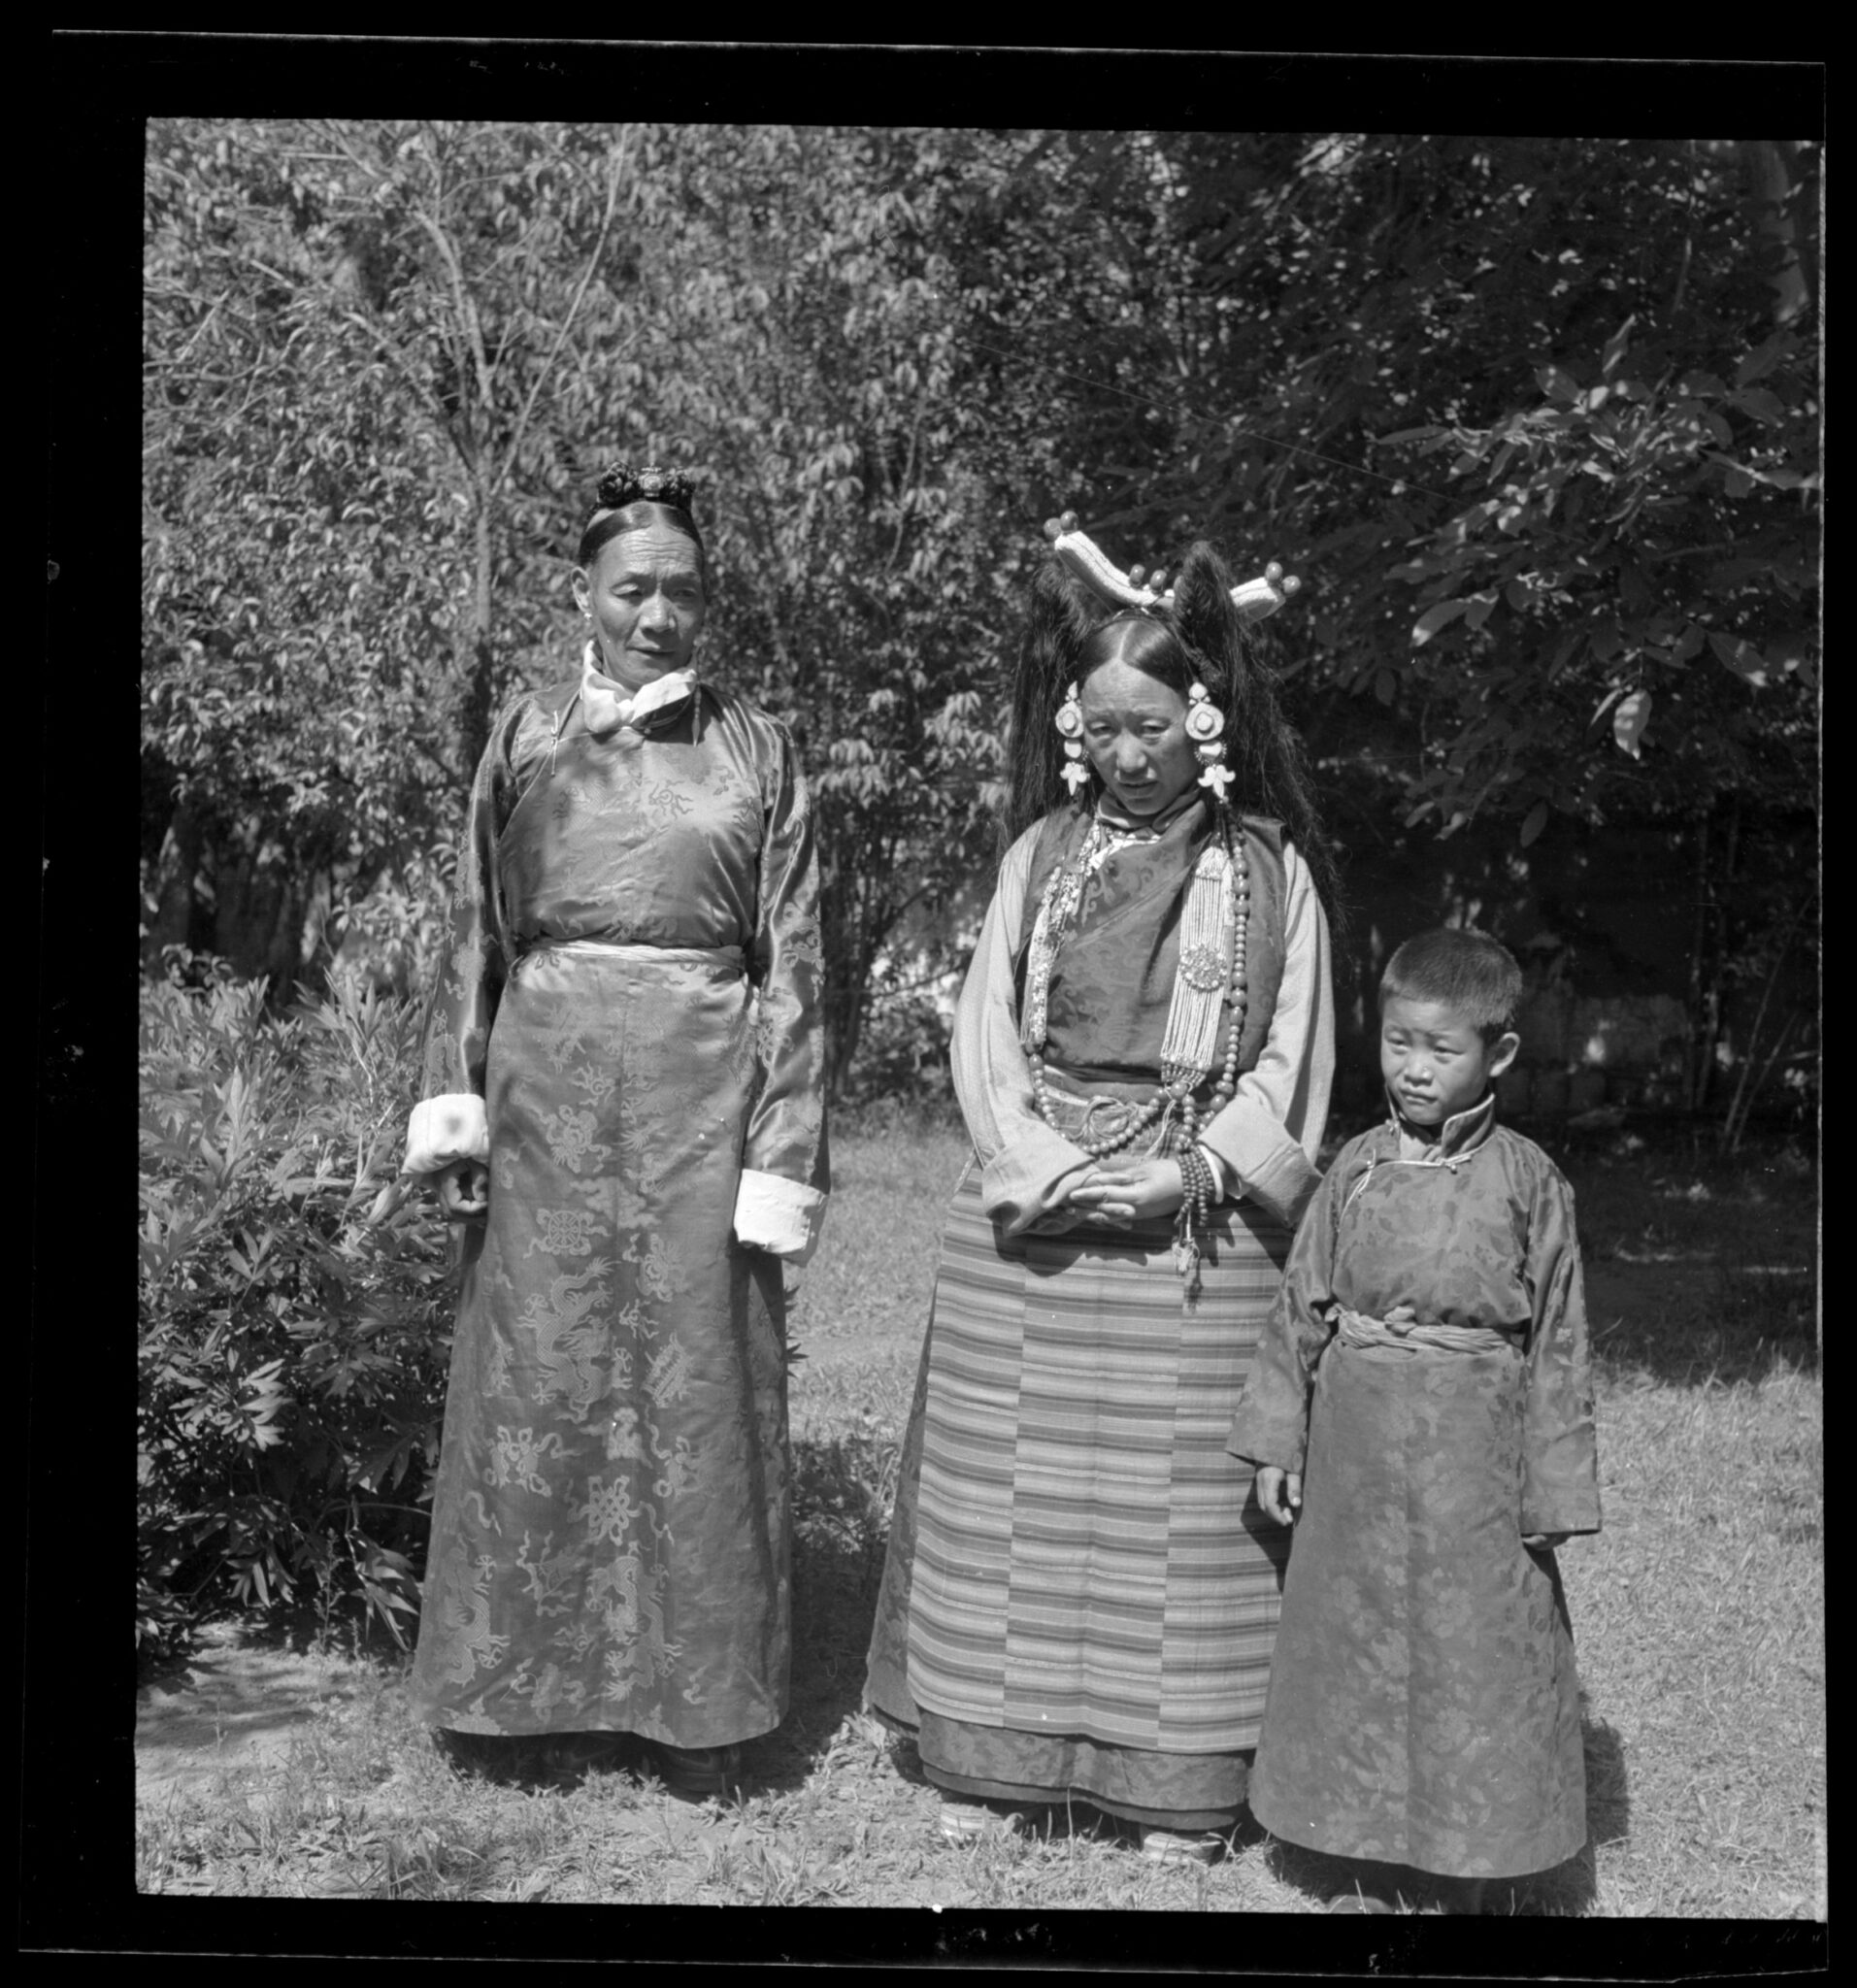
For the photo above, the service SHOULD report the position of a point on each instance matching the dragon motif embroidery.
(465, 1613)
(598, 1083)
(567, 1345)
(548, 1577)
(634, 1620)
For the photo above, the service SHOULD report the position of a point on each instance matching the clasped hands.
(1128, 1190)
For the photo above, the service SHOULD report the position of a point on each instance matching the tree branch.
(567, 322)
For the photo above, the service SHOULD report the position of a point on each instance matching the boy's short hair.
(1468, 972)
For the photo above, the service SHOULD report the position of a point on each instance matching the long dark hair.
(1199, 638)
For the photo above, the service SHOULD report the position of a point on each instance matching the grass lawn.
(1699, 1615)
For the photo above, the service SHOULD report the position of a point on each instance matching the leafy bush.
(901, 1060)
(393, 934)
(291, 1358)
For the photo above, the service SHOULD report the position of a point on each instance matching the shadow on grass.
(1696, 1267)
(302, 1629)
(1608, 1804)
(842, 1487)
(1566, 1890)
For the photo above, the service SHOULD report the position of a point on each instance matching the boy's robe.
(1423, 1705)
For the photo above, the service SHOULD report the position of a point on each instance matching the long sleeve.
(1025, 1167)
(1268, 1136)
(785, 1165)
(1560, 1458)
(449, 1124)
(1271, 1423)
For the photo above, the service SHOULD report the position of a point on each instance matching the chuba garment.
(1081, 1593)
(1424, 1708)
(631, 988)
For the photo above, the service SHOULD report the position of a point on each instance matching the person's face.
(644, 594)
(1435, 1061)
(1134, 733)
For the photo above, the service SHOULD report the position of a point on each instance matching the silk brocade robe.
(1423, 1705)
(611, 1543)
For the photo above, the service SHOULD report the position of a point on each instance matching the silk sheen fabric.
(1424, 1708)
(631, 985)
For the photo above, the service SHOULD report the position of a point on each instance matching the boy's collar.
(1461, 1132)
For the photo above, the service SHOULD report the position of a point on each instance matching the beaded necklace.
(1214, 925)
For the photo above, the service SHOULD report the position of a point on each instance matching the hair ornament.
(1254, 599)
(1206, 727)
(623, 484)
(1259, 599)
(1070, 728)
(1204, 721)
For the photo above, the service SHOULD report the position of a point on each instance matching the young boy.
(1423, 1708)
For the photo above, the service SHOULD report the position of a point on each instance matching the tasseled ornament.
(1191, 1039)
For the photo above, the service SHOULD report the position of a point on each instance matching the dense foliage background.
(1536, 420)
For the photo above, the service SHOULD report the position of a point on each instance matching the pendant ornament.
(1210, 987)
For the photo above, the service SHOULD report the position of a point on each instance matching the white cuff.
(444, 1130)
(777, 1215)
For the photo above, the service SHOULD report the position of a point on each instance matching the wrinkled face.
(1134, 733)
(644, 594)
(1435, 1061)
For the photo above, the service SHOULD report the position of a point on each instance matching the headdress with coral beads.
(1254, 599)
(1126, 592)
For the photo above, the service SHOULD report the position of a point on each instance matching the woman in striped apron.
(1081, 1593)
(623, 1100)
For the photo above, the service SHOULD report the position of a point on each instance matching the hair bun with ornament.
(623, 484)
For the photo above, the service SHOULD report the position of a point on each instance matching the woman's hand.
(464, 1191)
(1130, 1190)
(1279, 1493)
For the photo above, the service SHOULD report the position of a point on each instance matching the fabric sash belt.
(1100, 1117)
(1358, 1329)
(731, 956)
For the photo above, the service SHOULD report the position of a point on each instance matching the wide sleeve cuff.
(1262, 1156)
(1570, 1520)
(778, 1215)
(444, 1130)
(1563, 1500)
(1269, 1431)
(1027, 1181)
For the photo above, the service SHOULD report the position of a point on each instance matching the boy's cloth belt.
(1358, 1329)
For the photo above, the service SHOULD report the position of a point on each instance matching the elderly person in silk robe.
(624, 1076)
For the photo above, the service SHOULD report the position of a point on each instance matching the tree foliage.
(368, 346)
(1536, 420)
